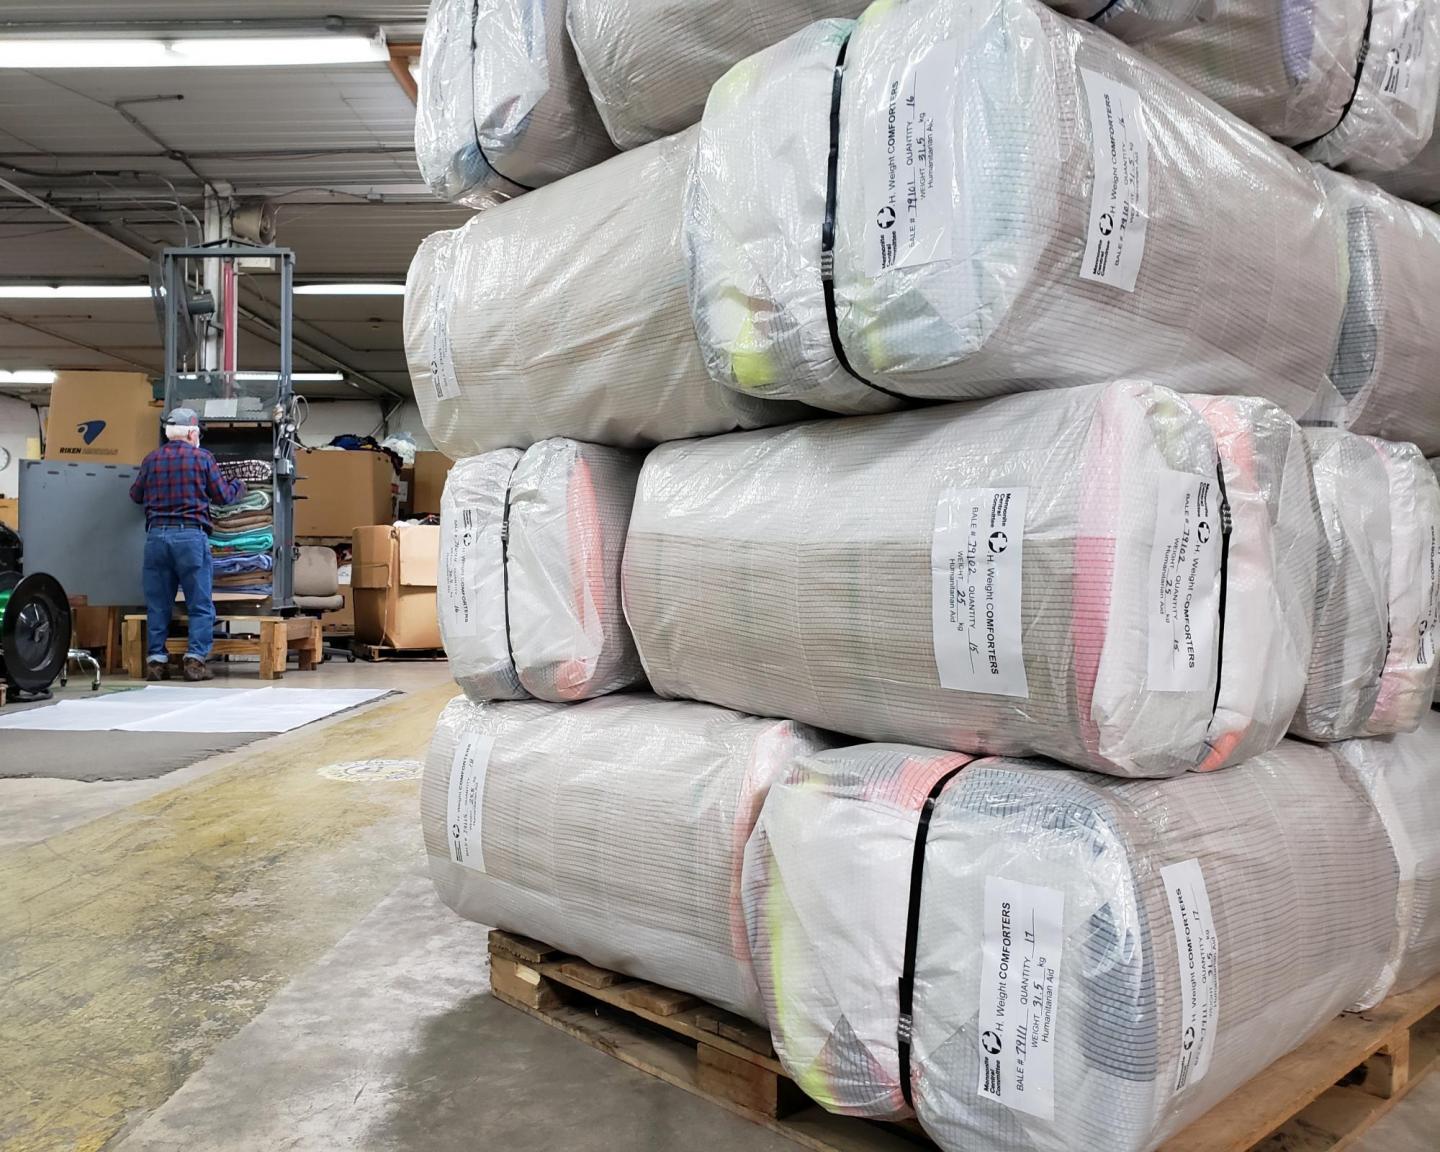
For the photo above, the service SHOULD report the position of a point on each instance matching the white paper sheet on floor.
(175, 709)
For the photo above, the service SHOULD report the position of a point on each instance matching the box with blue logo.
(108, 416)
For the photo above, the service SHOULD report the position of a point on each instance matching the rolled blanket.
(248, 471)
(1093, 960)
(1063, 212)
(1351, 83)
(256, 562)
(1399, 773)
(614, 829)
(563, 313)
(529, 595)
(254, 500)
(1353, 612)
(1407, 684)
(503, 105)
(1038, 574)
(1384, 368)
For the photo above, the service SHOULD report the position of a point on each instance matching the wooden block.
(1388, 1071)
(654, 998)
(521, 948)
(591, 976)
(273, 648)
(135, 647)
(522, 984)
(745, 1084)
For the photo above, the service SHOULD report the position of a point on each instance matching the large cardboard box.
(341, 622)
(342, 491)
(393, 577)
(10, 513)
(430, 471)
(109, 416)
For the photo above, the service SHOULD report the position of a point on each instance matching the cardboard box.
(430, 471)
(342, 491)
(90, 627)
(340, 622)
(108, 416)
(10, 513)
(394, 572)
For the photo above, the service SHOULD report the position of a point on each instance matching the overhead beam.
(6, 318)
(400, 57)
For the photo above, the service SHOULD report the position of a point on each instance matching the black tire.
(34, 632)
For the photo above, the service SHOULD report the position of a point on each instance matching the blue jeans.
(177, 556)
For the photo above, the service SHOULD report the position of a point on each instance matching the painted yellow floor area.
(131, 946)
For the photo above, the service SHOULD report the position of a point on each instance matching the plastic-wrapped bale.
(1126, 928)
(1350, 83)
(650, 63)
(529, 595)
(1435, 467)
(503, 105)
(1419, 180)
(1407, 685)
(1385, 363)
(1353, 611)
(613, 829)
(986, 237)
(1037, 574)
(1401, 775)
(563, 313)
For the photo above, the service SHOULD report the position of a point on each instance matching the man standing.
(177, 484)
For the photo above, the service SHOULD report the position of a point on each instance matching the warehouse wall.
(17, 425)
(331, 418)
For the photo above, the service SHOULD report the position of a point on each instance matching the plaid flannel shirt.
(178, 483)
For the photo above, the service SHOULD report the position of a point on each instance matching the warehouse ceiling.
(101, 166)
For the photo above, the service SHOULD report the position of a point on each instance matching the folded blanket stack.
(242, 537)
(529, 589)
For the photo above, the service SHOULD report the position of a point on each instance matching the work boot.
(156, 671)
(197, 670)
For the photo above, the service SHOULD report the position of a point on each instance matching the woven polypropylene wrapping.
(1289, 850)
(1407, 684)
(1384, 367)
(793, 573)
(503, 105)
(990, 298)
(1400, 773)
(1277, 561)
(1294, 71)
(537, 612)
(563, 313)
(614, 829)
(1353, 609)
(1420, 179)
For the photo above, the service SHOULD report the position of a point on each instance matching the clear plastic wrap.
(1402, 775)
(1385, 362)
(1353, 613)
(1407, 685)
(503, 105)
(1129, 1041)
(1037, 574)
(1295, 71)
(1420, 179)
(614, 829)
(529, 591)
(1020, 249)
(563, 313)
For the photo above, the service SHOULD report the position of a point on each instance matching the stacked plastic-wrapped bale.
(1043, 207)
(1038, 574)
(1420, 179)
(1400, 774)
(503, 107)
(529, 591)
(1042, 959)
(650, 63)
(1385, 363)
(563, 313)
(242, 536)
(614, 829)
(1350, 83)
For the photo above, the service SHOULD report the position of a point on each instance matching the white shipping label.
(910, 165)
(460, 550)
(1184, 589)
(1198, 948)
(975, 566)
(1425, 645)
(1019, 994)
(442, 356)
(465, 810)
(1403, 78)
(1120, 192)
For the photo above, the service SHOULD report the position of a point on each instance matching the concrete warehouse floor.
(247, 954)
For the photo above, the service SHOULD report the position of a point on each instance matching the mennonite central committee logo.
(885, 217)
(90, 430)
(1202, 531)
(991, 1043)
(998, 543)
(1107, 224)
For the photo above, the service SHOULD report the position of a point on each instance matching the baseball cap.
(183, 418)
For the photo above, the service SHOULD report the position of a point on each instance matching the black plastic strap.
(905, 1029)
(827, 232)
(505, 563)
(1360, 58)
(1101, 13)
(1225, 526)
(474, 127)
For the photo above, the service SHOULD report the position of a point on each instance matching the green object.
(4, 601)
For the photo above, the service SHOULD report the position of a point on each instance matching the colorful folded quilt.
(248, 471)
(230, 564)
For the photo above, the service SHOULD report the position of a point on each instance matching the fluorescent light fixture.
(74, 292)
(197, 52)
(28, 376)
(296, 377)
(350, 290)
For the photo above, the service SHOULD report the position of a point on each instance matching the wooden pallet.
(278, 637)
(1319, 1098)
(379, 652)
